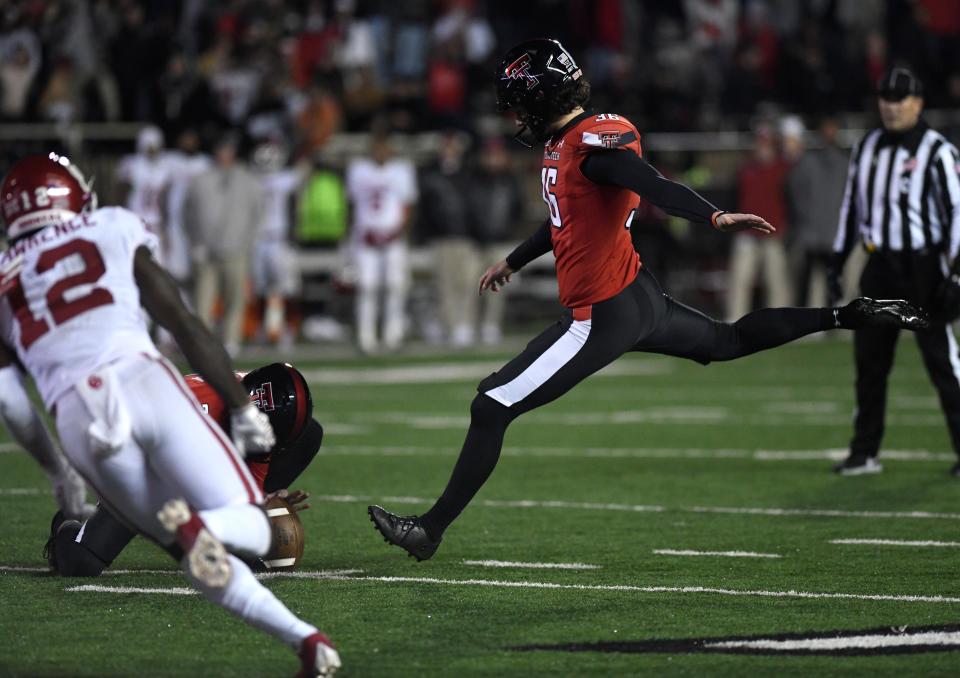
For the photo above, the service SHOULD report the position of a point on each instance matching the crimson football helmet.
(282, 393)
(40, 190)
(540, 81)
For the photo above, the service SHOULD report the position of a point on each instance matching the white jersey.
(70, 302)
(148, 179)
(277, 189)
(380, 194)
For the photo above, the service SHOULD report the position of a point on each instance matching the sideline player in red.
(86, 549)
(593, 176)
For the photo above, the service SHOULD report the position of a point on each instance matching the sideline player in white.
(185, 163)
(147, 174)
(73, 280)
(381, 189)
(27, 428)
(275, 275)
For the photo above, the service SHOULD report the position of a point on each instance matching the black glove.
(834, 280)
(948, 298)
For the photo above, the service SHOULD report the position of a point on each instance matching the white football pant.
(174, 449)
(383, 269)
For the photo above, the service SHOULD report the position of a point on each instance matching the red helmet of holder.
(281, 391)
(40, 190)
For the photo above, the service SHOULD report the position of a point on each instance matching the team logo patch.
(520, 70)
(876, 641)
(609, 139)
(262, 397)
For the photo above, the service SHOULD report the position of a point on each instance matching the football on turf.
(287, 547)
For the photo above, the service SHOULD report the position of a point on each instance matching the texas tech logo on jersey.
(520, 70)
(609, 139)
(262, 397)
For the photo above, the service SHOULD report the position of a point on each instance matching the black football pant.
(640, 318)
(90, 551)
(914, 277)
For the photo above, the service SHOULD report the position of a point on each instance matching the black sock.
(770, 327)
(478, 457)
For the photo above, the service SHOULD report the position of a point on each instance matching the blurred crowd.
(310, 67)
(240, 98)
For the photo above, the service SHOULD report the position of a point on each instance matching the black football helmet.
(538, 79)
(282, 393)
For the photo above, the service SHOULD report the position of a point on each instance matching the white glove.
(251, 430)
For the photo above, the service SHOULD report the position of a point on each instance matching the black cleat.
(858, 465)
(59, 524)
(866, 312)
(404, 531)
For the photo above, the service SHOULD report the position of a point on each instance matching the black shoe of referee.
(866, 312)
(407, 532)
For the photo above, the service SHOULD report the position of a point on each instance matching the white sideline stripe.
(539, 566)
(547, 364)
(9, 447)
(97, 588)
(848, 642)
(563, 587)
(21, 491)
(723, 554)
(530, 503)
(895, 542)
(18, 568)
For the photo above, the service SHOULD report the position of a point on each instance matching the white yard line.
(565, 587)
(834, 454)
(9, 447)
(844, 643)
(434, 373)
(22, 491)
(97, 588)
(826, 513)
(721, 554)
(895, 542)
(532, 566)
(532, 503)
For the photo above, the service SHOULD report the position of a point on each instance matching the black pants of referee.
(914, 277)
(639, 318)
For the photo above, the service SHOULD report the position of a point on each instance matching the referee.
(902, 203)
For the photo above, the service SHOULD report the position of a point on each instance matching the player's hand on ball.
(496, 277)
(733, 222)
(297, 499)
(251, 430)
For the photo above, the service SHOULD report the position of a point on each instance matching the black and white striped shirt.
(902, 194)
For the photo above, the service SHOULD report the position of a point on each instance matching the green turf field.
(654, 457)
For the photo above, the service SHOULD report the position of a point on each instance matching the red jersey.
(591, 223)
(213, 404)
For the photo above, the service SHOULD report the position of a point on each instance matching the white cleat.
(206, 557)
(318, 658)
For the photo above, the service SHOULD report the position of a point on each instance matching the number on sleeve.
(548, 178)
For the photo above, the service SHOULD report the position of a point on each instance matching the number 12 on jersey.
(548, 178)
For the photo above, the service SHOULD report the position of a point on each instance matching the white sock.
(250, 600)
(241, 527)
